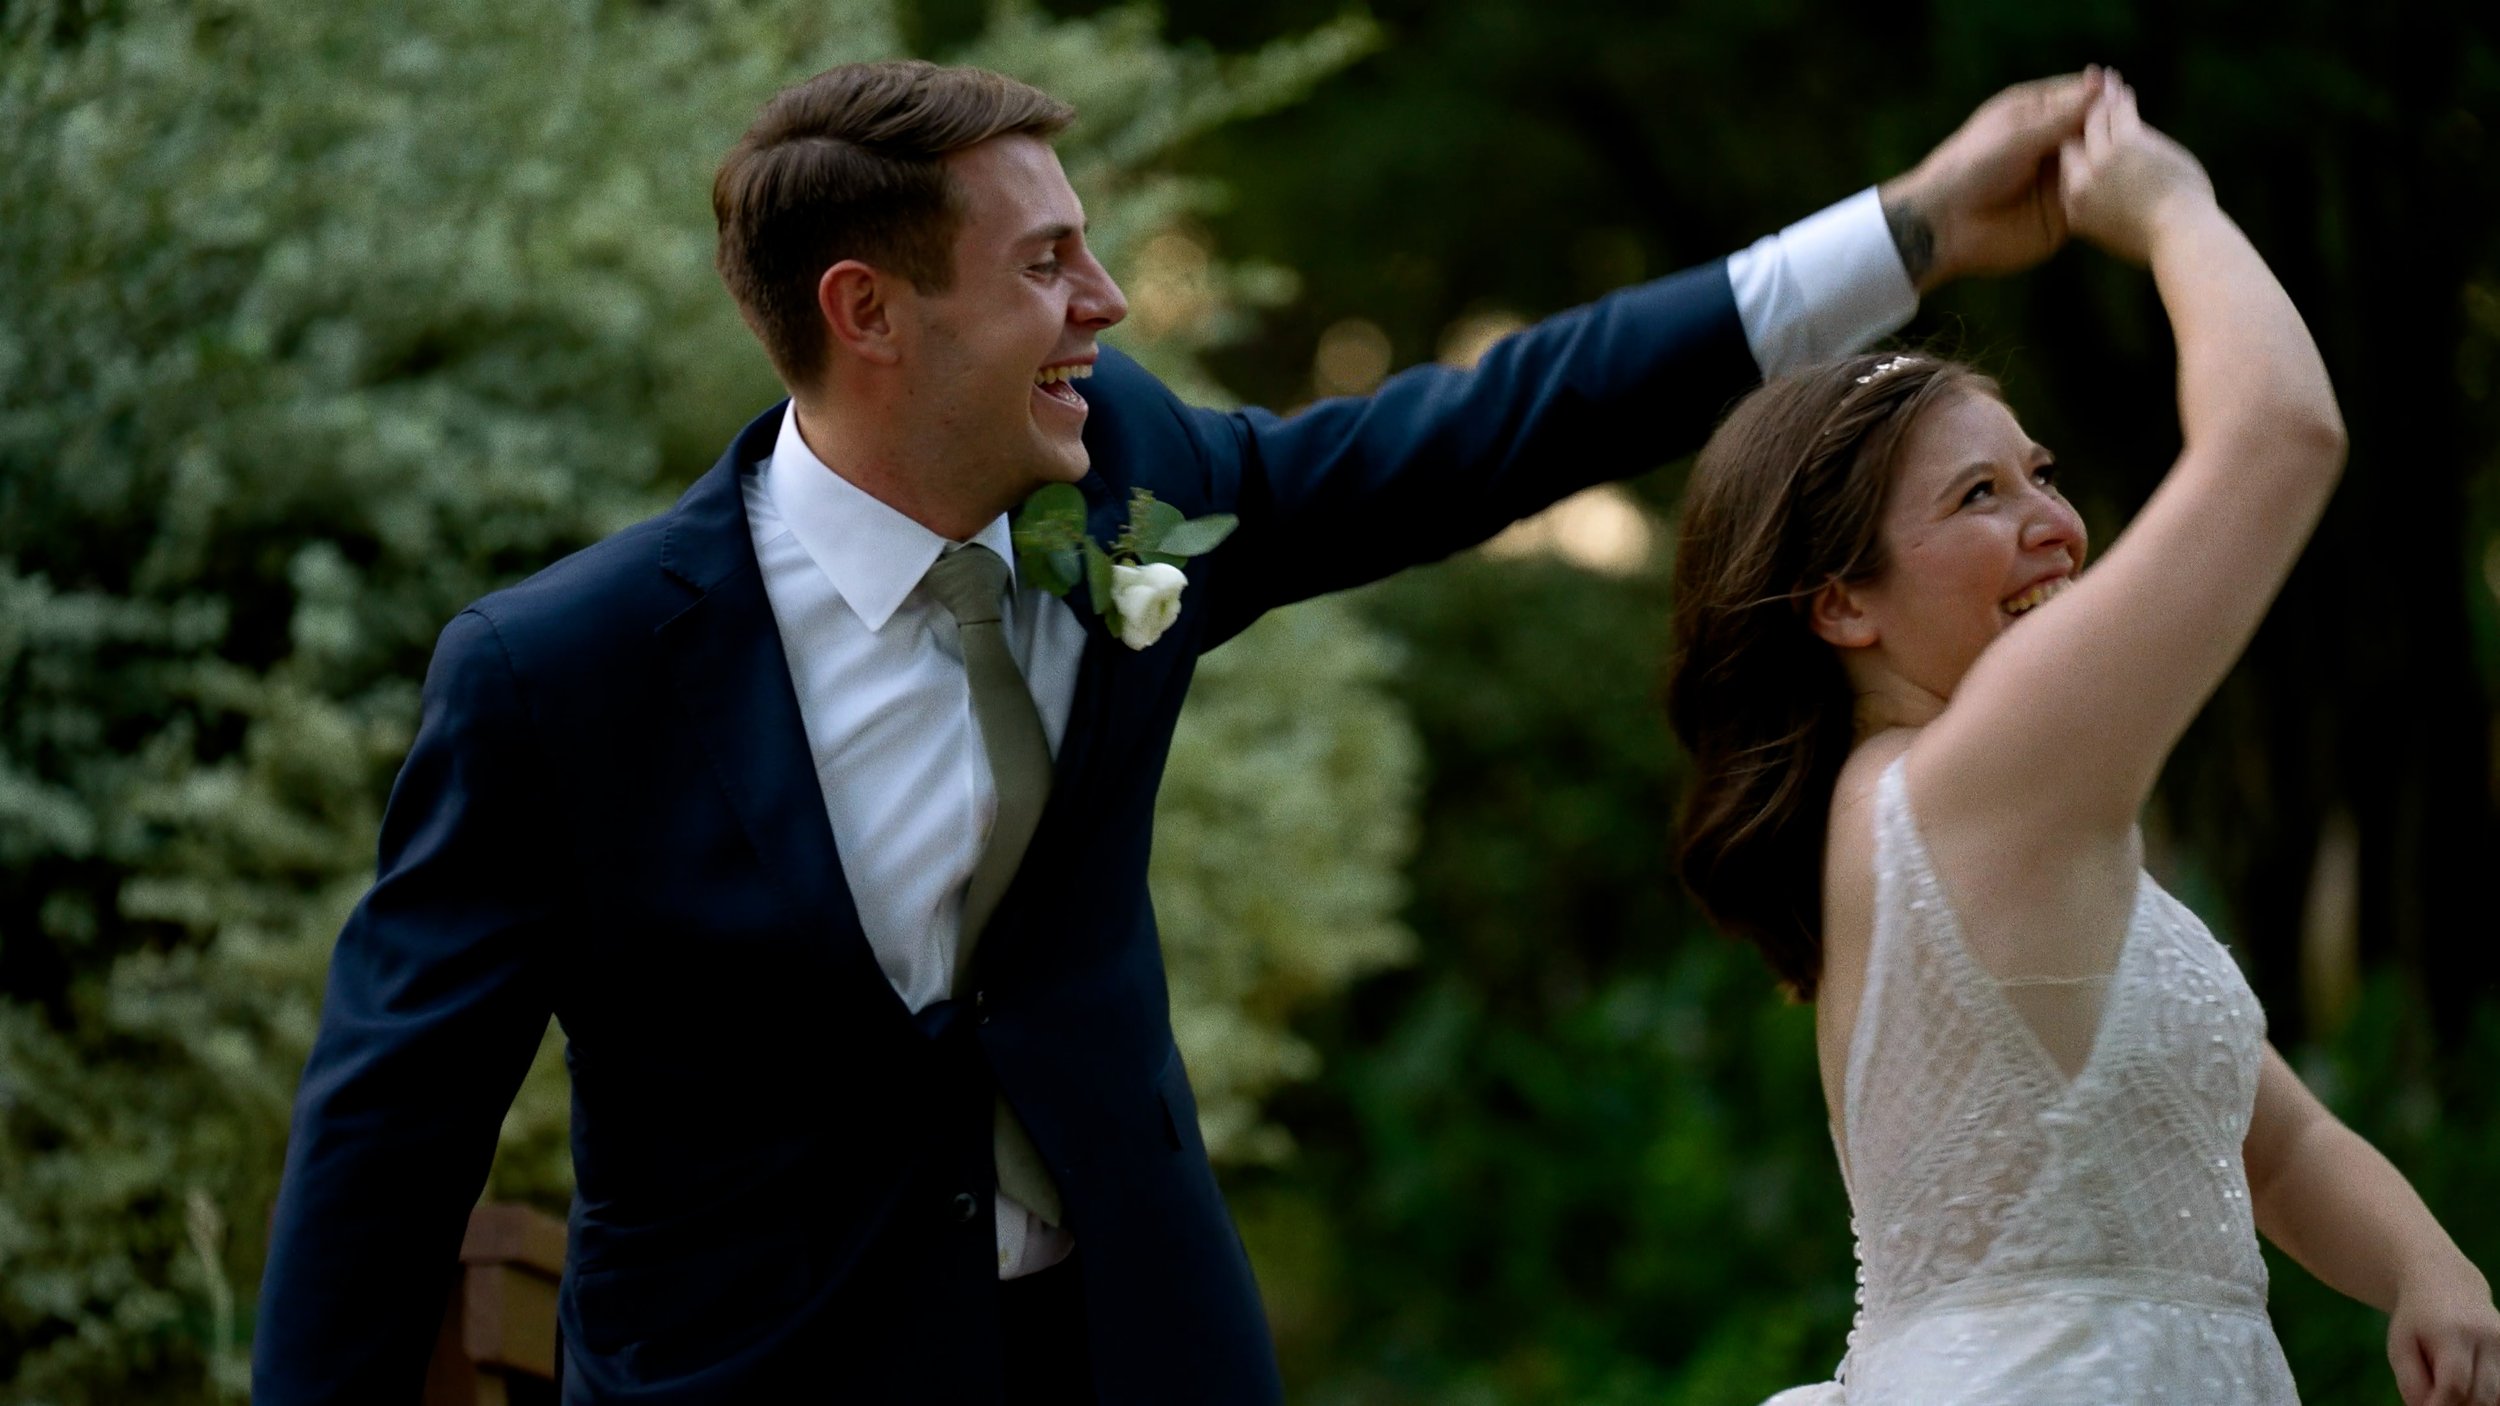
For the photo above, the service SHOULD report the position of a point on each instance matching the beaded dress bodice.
(2026, 1236)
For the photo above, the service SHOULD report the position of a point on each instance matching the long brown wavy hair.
(1787, 497)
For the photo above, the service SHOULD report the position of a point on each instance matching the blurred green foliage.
(1578, 1152)
(1281, 838)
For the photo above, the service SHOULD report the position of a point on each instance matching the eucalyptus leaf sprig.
(1135, 583)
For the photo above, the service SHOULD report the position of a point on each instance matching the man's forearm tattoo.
(1913, 236)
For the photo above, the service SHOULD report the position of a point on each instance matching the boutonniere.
(1136, 582)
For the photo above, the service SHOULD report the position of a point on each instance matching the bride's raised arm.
(2065, 721)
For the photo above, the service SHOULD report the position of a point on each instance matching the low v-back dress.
(2027, 1236)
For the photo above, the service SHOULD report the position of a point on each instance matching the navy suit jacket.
(610, 814)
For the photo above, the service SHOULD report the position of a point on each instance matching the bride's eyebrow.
(1970, 474)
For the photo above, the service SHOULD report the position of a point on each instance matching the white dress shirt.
(879, 674)
(879, 671)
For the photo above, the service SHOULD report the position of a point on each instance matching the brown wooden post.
(498, 1342)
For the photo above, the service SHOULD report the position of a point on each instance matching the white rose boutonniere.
(1147, 599)
(1135, 584)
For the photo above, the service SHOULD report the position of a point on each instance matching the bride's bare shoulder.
(1849, 845)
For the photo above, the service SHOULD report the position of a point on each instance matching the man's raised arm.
(1437, 459)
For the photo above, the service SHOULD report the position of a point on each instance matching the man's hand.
(1985, 201)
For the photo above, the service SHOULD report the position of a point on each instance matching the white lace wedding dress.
(2026, 1237)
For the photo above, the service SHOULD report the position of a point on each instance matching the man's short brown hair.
(849, 165)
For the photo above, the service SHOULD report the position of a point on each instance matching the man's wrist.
(1913, 230)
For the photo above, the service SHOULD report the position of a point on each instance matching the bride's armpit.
(2064, 1013)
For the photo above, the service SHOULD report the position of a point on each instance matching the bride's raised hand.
(2121, 179)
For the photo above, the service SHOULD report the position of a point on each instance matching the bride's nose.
(2053, 522)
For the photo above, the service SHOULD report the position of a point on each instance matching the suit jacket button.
(966, 1207)
(981, 1007)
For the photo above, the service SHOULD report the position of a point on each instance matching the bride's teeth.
(2034, 598)
(1051, 375)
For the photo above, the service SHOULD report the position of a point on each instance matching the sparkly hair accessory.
(1887, 366)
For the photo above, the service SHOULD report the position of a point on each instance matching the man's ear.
(856, 301)
(1839, 618)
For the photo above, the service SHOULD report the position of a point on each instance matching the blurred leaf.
(1198, 536)
(1098, 578)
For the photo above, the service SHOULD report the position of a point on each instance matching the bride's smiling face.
(1975, 534)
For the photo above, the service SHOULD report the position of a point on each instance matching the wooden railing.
(498, 1344)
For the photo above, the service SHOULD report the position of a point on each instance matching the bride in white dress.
(1921, 737)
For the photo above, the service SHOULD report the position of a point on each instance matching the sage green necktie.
(970, 582)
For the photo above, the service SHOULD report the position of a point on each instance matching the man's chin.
(1064, 463)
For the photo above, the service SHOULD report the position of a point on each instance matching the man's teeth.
(2033, 598)
(1052, 375)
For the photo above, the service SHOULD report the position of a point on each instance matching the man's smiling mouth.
(1052, 381)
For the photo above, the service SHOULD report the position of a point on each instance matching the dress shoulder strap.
(1897, 850)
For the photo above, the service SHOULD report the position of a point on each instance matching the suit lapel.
(725, 656)
(1104, 514)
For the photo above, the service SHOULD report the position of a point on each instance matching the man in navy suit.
(875, 1093)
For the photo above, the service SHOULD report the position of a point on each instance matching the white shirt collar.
(873, 554)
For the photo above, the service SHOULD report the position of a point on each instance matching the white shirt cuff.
(1823, 287)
